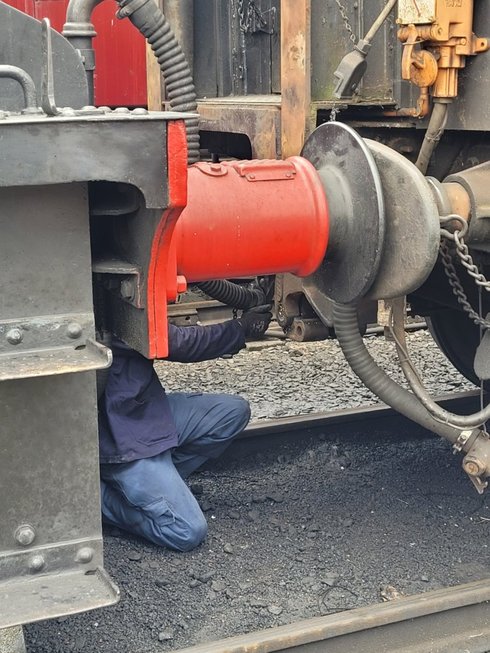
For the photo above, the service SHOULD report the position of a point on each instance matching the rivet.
(36, 563)
(139, 111)
(84, 555)
(25, 535)
(14, 336)
(251, 176)
(121, 110)
(88, 107)
(74, 330)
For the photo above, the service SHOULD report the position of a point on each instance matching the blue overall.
(151, 441)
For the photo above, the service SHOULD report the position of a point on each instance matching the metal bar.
(25, 81)
(449, 620)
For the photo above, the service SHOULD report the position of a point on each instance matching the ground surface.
(304, 530)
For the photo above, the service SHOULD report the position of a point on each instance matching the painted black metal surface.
(93, 145)
(412, 225)
(357, 215)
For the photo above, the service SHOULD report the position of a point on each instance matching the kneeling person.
(150, 441)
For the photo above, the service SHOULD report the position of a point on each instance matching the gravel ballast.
(304, 530)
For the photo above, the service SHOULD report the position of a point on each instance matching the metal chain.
(345, 18)
(454, 282)
(465, 256)
(252, 20)
(241, 15)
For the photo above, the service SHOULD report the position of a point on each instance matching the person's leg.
(207, 424)
(149, 498)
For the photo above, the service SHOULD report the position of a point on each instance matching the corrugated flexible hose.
(148, 18)
(360, 360)
(232, 294)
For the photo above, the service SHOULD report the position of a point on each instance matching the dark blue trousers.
(149, 497)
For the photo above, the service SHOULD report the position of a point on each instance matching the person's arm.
(198, 343)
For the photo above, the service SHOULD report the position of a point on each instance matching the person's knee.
(240, 411)
(188, 535)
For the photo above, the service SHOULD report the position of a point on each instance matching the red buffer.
(250, 218)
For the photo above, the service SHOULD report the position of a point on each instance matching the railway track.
(368, 420)
(452, 620)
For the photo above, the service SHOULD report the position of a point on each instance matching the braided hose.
(151, 22)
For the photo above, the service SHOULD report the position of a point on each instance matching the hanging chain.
(252, 19)
(467, 261)
(465, 256)
(345, 18)
(335, 110)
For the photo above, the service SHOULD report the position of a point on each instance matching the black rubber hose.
(151, 22)
(232, 294)
(360, 360)
(435, 130)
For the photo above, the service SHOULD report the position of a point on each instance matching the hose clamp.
(463, 438)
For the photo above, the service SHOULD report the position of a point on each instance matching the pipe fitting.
(474, 467)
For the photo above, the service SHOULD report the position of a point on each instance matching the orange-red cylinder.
(250, 218)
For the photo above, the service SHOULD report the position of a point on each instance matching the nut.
(25, 535)
(127, 289)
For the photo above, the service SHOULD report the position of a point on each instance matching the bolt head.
(25, 535)
(14, 336)
(74, 330)
(127, 290)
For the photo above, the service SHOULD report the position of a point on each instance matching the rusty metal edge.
(320, 629)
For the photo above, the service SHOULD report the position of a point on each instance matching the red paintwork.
(248, 218)
(120, 51)
(163, 284)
